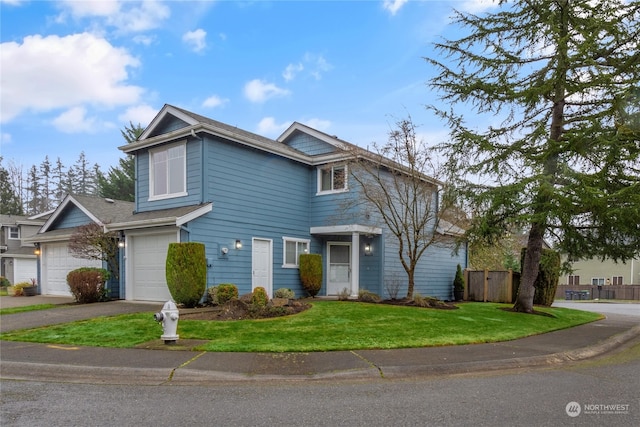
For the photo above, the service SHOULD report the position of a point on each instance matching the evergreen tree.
(119, 183)
(46, 187)
(558, 82)
(10, 203)
(60, 183)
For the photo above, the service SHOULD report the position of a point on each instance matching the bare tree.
(90, 241)
(397, 181)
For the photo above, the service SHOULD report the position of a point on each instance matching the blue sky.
(74, 73)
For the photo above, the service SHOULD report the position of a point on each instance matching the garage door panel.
(150, 255)
(57, 262)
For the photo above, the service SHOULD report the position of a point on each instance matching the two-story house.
(18, 257)
(257, 204)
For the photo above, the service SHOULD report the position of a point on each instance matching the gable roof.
(100, 210)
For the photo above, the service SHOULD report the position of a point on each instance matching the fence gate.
(489, 286)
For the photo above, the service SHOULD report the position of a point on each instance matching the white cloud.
(317, 65)
(319, 124)
(143, 39)
(476, 6)
(196, 40)
(126, 16)
(269, 127)
(214, 101)
(139, 114)
(291, 71)
(75, 120)
(48, 73)
(393, 6)
(259, 91)
(5, 138)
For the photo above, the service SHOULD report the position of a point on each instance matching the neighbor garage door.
(57, 262)
(149, 254)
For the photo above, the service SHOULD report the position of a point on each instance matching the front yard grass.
(327, 326)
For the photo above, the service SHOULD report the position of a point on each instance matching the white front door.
(261, 256)
(338, 267)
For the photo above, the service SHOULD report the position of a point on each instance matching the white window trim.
(9, 233)
(153, 197)
(598, 279)
(285, 240)
(319, 180)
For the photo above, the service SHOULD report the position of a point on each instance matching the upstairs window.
(332, 179)
(168, 172)
(14, 233)
(292, 250)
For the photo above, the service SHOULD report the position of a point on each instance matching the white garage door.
(25, 269)
(57, 262)
(149, 254)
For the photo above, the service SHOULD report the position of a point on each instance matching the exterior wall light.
(367, 249)
(36, 251)
(238, 244)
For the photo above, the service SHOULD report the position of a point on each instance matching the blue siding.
(71, 217)
(309, 144)
(168, 124)
(194, 180)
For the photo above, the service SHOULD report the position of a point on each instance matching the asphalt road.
(531, 397)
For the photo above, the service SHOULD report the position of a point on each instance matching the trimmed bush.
(259, 297)
(4, 282)
(227, 292)
(368, 296)
(212, 295)
(186, 272)
(285, 293)
(458, 281)
(87, 284)
(310, 268)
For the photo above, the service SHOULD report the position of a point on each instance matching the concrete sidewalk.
(41, 362)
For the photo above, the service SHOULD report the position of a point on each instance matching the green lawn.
(328, 325)
(35, 307)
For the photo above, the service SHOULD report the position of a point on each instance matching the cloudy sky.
(75, 72)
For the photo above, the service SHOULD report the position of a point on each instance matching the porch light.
(36, 251)
(367, 249)
(238, 244)
(121, 240)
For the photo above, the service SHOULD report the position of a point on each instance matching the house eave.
(346, 229)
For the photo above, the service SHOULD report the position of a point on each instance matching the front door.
(261, 265)
(339, 268)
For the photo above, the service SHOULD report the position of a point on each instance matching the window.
(574, 280)
(14, 233)
(616, 280)
(167, 172)
(332, 179)
(292, 250)
(597, 281)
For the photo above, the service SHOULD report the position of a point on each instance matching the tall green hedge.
(546, 283)
(186, 272)
(311, 273)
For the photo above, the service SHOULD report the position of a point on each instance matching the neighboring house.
(608, 272)
(256, 204)
(56, 261)
(17, 257)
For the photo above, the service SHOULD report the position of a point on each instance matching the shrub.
(458, 281)
(227, 292)
(4, 282)
(87, 284)
(259, 297)
(310, 269)
(421, 301)
(344, 294)
(186, 272)
(18, 288)
(212, 295)
(368, 296)
(285, 293)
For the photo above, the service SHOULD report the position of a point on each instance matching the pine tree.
(558, 82)
(119, 183)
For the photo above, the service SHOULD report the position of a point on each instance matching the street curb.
(183, 375)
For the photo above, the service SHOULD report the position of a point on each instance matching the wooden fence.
(490, 286)
(620, 292)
